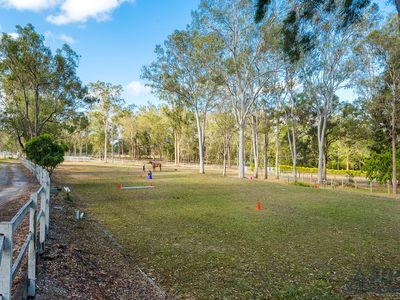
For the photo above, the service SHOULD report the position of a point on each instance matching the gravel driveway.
(13, 182)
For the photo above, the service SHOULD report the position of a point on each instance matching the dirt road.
(12, 182)
(16, 184)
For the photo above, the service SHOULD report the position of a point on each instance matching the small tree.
(378, 167)
(45, 152)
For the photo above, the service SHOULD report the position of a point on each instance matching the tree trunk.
(112, 145)
(277, 149)
(294, 158)
(325, 161)
(36, 125)
(105, 141)
(265, 154)
(178, 151)
(321, 143)
(229, 156)
(242, 126)
(175, 148)
(293, 150)
(225, 156)
(394, 136)
(254, 137)
(200, 133)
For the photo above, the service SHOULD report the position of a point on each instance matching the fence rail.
(35, 239)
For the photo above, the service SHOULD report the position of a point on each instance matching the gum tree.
(242, 62)
(107, 99)
(385, 44)
(38, 88)
(182, 69)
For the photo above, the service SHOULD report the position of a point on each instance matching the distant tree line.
(247, 83)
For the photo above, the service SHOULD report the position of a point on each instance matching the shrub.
(379, 166)
(352, 173)
(45, 152)
(298, 183)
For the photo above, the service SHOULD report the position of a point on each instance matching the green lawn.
(200, 236)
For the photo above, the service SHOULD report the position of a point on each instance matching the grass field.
(200, 236)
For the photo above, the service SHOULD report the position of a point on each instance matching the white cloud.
(14, 35)
(66, 39)
(34, 5)
(137, 88)
(69, 11)
(78, 11)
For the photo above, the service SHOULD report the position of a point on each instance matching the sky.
(114, 38)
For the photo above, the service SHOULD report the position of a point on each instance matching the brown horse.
(155, 165)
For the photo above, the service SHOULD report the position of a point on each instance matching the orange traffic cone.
(258, 206)
(315, 186)
(119, 186)
(151, 184)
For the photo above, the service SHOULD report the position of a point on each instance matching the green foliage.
(379, 166)
(252, 167)
(300, 15)
(329, 171)
(41, 89)
(303, 184)
(45, 152)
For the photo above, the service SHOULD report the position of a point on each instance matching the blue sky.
(114, 38)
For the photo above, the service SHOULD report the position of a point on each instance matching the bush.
(303, 184)
(353, 173)
(379, 166)
(45, 152)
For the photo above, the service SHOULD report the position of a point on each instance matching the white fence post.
(47, 193)
(8, 270)
(42, 221)
(6, 263)
(31, 289)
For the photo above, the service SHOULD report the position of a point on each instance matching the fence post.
(47, 185)
(370, 186)
(31, 288)
(6, 263)
(42, 220)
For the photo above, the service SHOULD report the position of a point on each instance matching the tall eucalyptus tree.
(182, 69)
(38, 88)
(243, 60)
(107, 100)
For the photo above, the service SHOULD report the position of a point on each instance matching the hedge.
(357, 173)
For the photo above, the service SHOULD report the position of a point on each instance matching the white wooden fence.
(34, 241)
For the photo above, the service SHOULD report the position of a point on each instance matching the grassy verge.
(200, 236)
